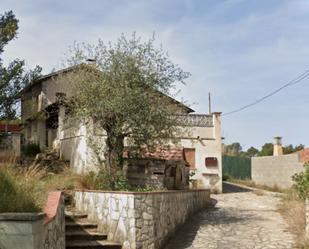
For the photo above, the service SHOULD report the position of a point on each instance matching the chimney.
(278, 146)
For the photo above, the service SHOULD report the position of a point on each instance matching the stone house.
(277, 170)
(10, 137)
(46, 123)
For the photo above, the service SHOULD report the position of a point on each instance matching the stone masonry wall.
(141, 220)
(275, 170)
(159, 215)
(54, 225)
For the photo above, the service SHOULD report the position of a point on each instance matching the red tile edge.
(51, 206)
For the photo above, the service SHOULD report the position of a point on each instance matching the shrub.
(293, 210)
(16, 194)
(301, 183)
(31, 149)
(225, 177)
(103, 181)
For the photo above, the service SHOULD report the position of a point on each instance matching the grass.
(25, 188)
(293, 210)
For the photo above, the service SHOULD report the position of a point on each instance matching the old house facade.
(47, 124)
(10, 133)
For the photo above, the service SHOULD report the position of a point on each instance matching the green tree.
(233, 149)
(122, 93)
(251, 152)
(267, 150)
(291, 149)
(13, 77)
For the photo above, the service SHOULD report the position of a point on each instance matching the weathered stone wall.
(276, 170)
(54, 224)
(141, 220)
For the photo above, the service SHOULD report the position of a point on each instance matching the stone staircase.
(83, 234)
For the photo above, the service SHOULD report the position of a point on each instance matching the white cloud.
(239, 50)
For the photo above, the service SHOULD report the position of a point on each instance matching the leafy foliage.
(267, 150)
(251, 152)
(122, 93)
(103, 181)
(302, 183)
(31, 149)
(14, 77)
(291, 149)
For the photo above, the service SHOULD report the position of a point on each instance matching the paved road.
(241, 219)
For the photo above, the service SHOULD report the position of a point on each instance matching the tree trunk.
(114, 151)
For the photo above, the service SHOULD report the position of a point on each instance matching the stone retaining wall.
(54, 223)
(35, 230)
(141, 220)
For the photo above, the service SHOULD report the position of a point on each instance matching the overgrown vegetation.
(102, 181)
(25, 188)
(301, 183)
(16, 193)
(292, 208)
(31, 149)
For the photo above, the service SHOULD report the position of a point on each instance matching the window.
(211, 162)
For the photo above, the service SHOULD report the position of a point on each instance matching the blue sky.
(239, 50)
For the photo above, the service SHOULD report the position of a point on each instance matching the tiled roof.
(162, 152)
(10, 128)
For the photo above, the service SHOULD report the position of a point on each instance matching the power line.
(290, 83)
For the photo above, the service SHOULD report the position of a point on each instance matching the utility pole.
(209, 103)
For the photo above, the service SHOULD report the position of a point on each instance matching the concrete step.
(79, 225)
(69, 215)
(104, 244)
(88, 235)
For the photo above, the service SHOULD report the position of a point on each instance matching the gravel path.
(242, 219)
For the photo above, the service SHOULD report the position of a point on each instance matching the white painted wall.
(75, 139)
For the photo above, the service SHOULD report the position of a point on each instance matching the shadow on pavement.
(231, 188)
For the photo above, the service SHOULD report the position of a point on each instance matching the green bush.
(16, 195)
(31, 149)
(103, 181)
(301, 183)
(226, 177)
